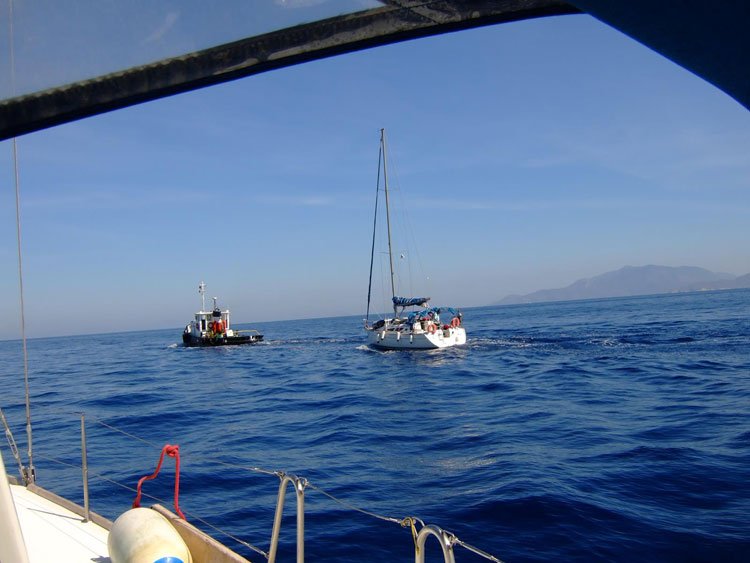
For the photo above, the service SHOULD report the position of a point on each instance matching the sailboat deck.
(66, 537)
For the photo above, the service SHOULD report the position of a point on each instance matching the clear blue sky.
(528, 155)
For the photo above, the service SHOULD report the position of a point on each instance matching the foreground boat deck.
(54, 533)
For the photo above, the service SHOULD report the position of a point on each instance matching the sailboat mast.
(388, 218)
(374, 230)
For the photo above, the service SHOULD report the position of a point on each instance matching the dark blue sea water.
(611, 430)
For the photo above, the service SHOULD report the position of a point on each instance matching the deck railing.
(446, 539)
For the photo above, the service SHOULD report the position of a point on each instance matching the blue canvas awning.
(429, 314)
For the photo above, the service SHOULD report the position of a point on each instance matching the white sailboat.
(422, 328)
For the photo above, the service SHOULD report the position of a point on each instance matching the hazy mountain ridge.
(635, 280)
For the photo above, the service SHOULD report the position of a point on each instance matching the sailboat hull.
(391, 339)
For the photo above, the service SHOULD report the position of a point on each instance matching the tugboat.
(211, 328)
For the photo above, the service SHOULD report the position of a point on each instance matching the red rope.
(171, 451)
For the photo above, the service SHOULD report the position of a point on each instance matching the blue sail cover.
(410, 301)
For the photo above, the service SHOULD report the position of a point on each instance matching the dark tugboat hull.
(191, 341)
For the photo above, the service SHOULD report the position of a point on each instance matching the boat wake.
(315, 340)
(495, 343)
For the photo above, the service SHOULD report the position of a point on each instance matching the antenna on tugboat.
(202, 291)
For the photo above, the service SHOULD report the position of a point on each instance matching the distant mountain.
(736, 283)
(635, 280)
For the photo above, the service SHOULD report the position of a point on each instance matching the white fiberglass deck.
(53, 533)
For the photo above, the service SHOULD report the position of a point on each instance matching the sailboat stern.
(387, 337)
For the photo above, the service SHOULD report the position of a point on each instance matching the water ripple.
(599, 430)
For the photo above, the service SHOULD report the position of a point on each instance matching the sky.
(522, 157)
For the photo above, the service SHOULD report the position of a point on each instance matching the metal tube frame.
(84, 469)
(299, 488)
(446, 543)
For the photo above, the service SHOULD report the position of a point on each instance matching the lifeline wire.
(357, 509)
(125, 433)
(403, 522)
(476, 550)
(160, 501)
(255, 469)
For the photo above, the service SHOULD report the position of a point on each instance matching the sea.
(601, 430)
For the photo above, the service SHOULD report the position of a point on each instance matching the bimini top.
(411, 301)
(429, 313)
(127, 53)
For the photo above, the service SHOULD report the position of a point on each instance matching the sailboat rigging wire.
(402, 222)
(388, 217)
(406, 226)
(12, 443)
(385, 298)
(29, 474)
(374, 226)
